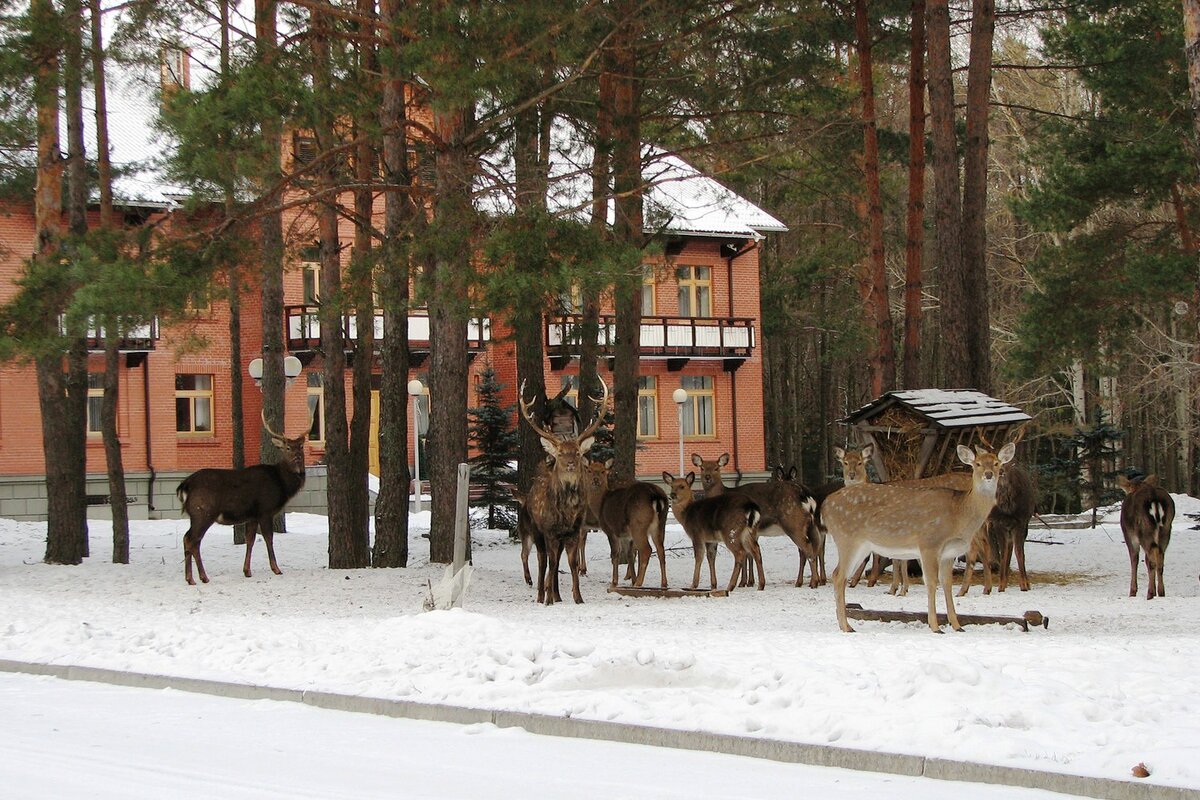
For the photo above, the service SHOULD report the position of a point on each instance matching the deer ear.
(868, 451)
(550, 447)
(668, 478)
(280, 443)
(1007, 452)
(697, 460)
(724, 459)
(839, 454)
(586, 444)
(608, 464)
(691, 478)
(966, 455)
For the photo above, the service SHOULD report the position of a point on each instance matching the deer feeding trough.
(1029, 618)
(650, 591)
(916, 432)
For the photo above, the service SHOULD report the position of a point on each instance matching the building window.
(310, 264)
(695, 291)
(194, 405)
(95, 403)
(316, 407)
(699, 416)
(647, 407)
(649, 307)
(174, 72)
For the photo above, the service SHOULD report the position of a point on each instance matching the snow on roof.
(947, 408)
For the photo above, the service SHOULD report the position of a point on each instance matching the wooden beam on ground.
(647, 591)
(1035, 618)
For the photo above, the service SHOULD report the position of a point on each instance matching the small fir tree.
(496, 441)
(1097, 447)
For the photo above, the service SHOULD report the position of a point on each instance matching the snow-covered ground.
(1110, 684)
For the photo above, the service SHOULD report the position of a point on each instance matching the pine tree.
(496, 440)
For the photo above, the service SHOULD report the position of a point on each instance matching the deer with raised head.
(555, 500)
(253, 495)
(631, 515)
(854, 471)
(786, 510)
(731, 519)
(1146, 516)
(1005, 532)
(922, 519)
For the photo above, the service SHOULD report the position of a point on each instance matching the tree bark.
(400, 214)
(873, 283)
(915, 216)
(952, 316)
(974, 206)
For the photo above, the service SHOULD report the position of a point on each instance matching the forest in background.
(989, 196)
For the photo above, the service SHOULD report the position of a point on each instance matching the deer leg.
(1164, 538)
(642, 545)
(945, 574)
(929, 569)
(710, 549)
(845, 556)
(1151, 558)
(876, 569)
(574, 549)
(820, 549)
(526, 545)
(191, 550)
(583, 552)
(739, 561)
(1019, 547)
(251, 526)
(540, 543)
(659, 533)
(614, 553)
(698, 551)
(756, 553)
(857, 576)
(552, 557)
(266, 528)
(1133, 565)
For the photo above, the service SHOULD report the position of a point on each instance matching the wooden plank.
(856, 611)
(647, 591)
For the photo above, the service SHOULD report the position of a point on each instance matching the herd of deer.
(982, 515)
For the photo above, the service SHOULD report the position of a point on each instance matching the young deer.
(629, 514)
(555, 501)
(854, 471)
(1146, 516)
(730, 519)
(919, 519)
(786, 508)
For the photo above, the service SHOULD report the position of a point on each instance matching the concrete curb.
(546, 725)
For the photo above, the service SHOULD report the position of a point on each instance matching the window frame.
(693, 287)
(648, 393)
(693, 410)
(192, 396)
(315, 388)
(95, 393)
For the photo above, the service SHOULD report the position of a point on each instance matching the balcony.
(138, 340)
(673, 339)
(304, 331)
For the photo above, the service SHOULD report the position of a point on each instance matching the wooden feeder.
(916, 431)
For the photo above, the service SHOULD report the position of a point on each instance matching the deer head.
(854, 463)
(567, 452)
(710, 472)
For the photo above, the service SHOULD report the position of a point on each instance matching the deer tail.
(753, 515)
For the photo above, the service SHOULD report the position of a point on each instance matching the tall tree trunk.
(974, 206)
(873, 284)
(628, 230)
(66, 529)
(953, 322)
(589, 327)
(271, 233)
(915, 217)
(1191, 43)
(400, 215)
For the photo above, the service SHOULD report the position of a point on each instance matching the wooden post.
(461, 518)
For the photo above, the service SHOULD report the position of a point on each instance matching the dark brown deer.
(1146, 516)
(555, 501)
(631, 515)
(731, 519)
(253, 495)
(786, 509)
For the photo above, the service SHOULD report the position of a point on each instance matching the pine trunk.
(974, 206)
(915, 217)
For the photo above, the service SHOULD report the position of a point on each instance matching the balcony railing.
(304, 329)
(661, 337)
(139, 338)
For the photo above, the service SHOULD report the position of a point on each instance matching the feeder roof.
(944, 408)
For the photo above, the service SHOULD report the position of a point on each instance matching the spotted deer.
(917, 519)
(555, 501)
(786, 508)
(1146, 516)
(631, 515)
(730, 519)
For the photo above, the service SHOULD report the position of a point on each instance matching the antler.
(538, 429)
(263, 414)
(601, 407)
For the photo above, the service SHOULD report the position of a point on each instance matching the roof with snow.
(944, 408)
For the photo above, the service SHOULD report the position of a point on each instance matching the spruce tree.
(493, 435)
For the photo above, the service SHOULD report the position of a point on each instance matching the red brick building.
(700, 332)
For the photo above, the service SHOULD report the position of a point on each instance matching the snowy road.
(68, 739)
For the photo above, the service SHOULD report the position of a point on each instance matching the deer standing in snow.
(631, 514)
(730, 519)
(1146, 516)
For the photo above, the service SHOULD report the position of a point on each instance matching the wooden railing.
(668, 337)
(303, 329)
(136, 339)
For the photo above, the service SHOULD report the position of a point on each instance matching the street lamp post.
(415, 388)
(680, 397)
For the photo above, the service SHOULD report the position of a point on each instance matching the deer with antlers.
(923, 519)
(253, 495)
(555, 501)
(787, 509)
